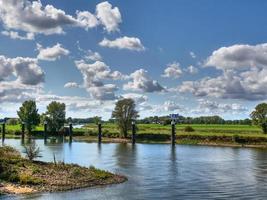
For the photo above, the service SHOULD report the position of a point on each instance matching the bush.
(28, 179)
(189, 129)
(32, 151)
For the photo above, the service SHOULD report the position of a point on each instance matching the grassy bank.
(18, 175)
(240, 135)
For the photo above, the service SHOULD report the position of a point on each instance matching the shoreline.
(21, 176)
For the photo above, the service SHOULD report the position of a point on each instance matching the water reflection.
(162, 171)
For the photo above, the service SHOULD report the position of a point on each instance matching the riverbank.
(19, 175)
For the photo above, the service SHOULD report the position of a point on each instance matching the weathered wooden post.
(173, 133)
(22, 130)
(99, 132)
(3, 131)
(45, 131)
(70, 132)
(133, 132)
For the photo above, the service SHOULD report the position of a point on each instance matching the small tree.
(259, 116)
(97, 119)
(32, 151)
(28, 113)
(124, 113)
(55, 116)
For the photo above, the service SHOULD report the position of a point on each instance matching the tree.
(259, 116)
(28, 114)
(124, 113)
(55, 116)
(97, 119)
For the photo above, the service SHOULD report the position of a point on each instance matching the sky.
(195, 58)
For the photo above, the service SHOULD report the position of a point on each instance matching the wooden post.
(3, 131)
(133, 132)
(45, 131)
(99, 132)
(173, 133)
(70, 132)
(22, 130)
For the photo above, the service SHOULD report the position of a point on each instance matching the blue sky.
(189, 57)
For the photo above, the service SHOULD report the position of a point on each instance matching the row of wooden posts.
(99, 132)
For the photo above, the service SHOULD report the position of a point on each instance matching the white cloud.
(35, 18)
(212, 107)
(170, 106)
(138, 98)
(71, 85)
(130, 43)
(26, 70)
(239, 57)
(108, 16)
(87, 19)
(173, 70)
(93, 56)
(141, 82)
(51, 53)
(192, 70)
(93, 76)
(243, 74)
(15, 35)
(192, 54)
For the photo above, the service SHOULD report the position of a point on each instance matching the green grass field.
(200, 129)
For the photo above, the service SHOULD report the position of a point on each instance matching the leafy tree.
(28, 113)
(55, 116)
(259, 116)
(124, 113)
(12, 121)
(97, 119)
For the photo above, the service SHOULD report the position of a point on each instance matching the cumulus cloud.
(170, 106)
(93, 76)
(71, 85)
(243, 74)
(192, 70)
(15, 35)
(93, 56)
(173, 70)
(108, 16)
(51, 53)
(130, 43)
(239, 57)
(35, 18)
(142, 82)
(138, 98)
(26, 70)
(212, 107)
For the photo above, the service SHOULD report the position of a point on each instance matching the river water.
(158, 171)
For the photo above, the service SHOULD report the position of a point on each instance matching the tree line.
(123, 114)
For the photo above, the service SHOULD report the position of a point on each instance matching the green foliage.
(97, 119)
(28, 113)
(55, 116)
(27, 179)
(124, 113)
(12, 121)
(259, 116)
(189, 129)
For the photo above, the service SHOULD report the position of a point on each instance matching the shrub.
(28, 179)
(189, 129)
(32, 151)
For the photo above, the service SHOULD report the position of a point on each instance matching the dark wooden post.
(22, 130)
(99, 132)
(3, 131)
(70, 132)
(45, 131)
(173, 133)
(133, 132)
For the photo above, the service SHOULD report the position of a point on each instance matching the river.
(158, 171)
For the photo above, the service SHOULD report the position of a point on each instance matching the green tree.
(28, 113)
(55, 116)
(97, 119)
(259, 116)
(124, 113)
